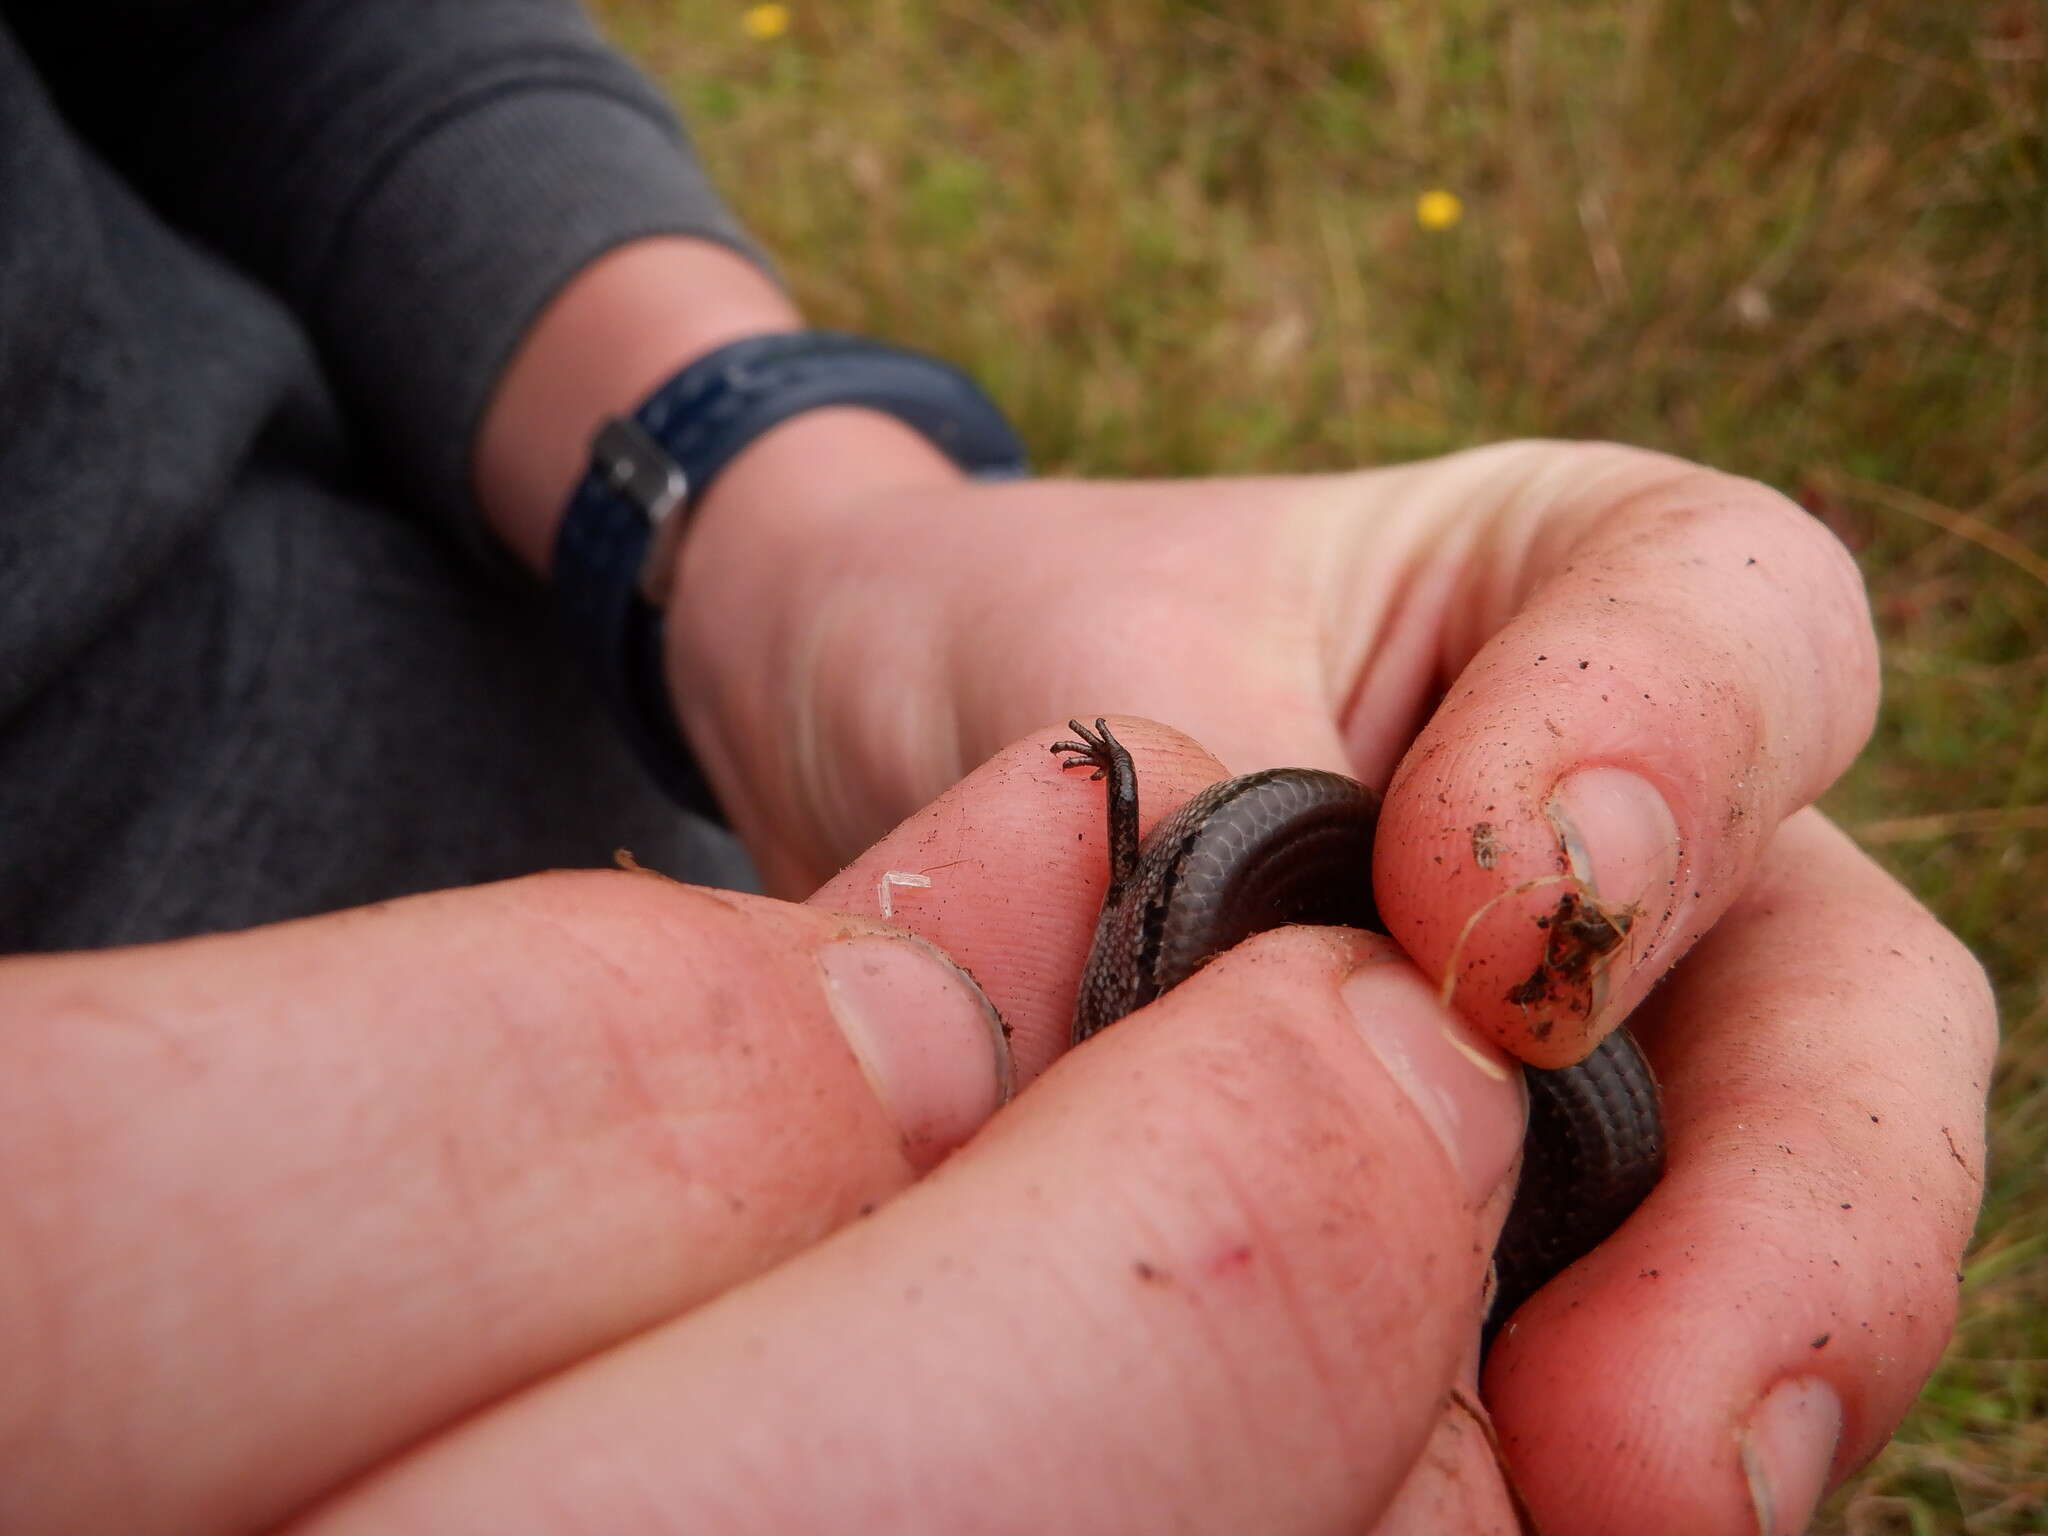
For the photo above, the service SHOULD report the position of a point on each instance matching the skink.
(1294, 845)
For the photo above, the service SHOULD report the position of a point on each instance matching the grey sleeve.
(416, 178)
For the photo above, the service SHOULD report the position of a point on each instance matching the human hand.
(565, 1203)
(281, 1204)
(1588, 662)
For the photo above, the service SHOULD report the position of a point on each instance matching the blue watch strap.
(616, 549)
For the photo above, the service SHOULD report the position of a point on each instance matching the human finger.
(1459, 1481)
(1216, 1270)
(280, 1202)
(1757, 1330)
(1655, 665)
(1006, 870)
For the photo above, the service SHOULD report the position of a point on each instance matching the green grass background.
(1804, 242)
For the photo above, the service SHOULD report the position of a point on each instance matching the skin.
(562, 1204)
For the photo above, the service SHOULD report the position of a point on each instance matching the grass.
(1806, 243)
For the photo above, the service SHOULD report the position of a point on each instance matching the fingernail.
(1468, 1091)
(1788, 1445)
(1622, 844)
(1618, 833)
(927, 1038)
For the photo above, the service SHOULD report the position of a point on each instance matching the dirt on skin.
(1579, 936)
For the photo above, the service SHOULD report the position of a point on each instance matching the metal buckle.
(636, 467)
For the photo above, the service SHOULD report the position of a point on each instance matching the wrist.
(809, 662)
(626, 322)
(786, 525)
(763, 439)
(803, 594)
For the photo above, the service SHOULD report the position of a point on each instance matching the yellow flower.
(1436, 208)
(765, 22)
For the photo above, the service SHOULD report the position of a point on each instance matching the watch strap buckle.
(635, 467)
